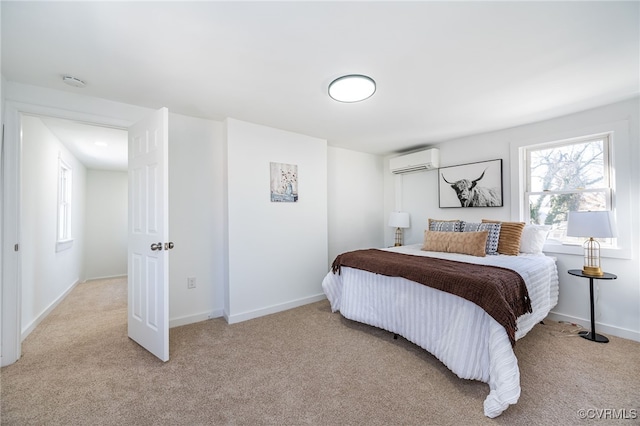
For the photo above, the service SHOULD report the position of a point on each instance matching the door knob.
(168, 246)
(156, 246)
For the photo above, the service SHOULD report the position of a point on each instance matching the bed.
(463, 336)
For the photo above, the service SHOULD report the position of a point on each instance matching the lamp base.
(592, 270)
(398, 237)
(597, 338)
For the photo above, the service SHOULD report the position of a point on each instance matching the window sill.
(614, 253)
(62, 245)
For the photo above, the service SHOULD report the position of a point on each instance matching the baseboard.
(107, 277)
(600, 328)
(26, 331)
(245, 316)
(191, 319)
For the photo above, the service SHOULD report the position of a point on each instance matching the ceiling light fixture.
(352, 88)
(73, 81)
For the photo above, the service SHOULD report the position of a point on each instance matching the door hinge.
(16, 247)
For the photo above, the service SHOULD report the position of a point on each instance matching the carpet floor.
(305, 366)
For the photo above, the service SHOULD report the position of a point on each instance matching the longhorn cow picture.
(471, 185)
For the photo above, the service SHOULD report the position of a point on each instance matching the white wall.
(196, 212)
(47, 274)
(277, 252)
(355, 201)
(106, 224)
(618, 302)
(2, 220)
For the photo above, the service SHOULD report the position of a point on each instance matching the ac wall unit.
(421, 160)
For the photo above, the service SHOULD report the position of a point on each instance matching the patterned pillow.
(492, 239)
(510, 235)
(472, 243)
(445, 225)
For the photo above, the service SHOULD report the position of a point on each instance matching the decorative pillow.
(510, 235)
(494, 234)
(533, 238)
(445, 225)
(472, 243)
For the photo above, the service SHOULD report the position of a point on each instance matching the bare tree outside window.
(567, 177)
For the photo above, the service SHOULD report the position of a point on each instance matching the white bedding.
(458, 332)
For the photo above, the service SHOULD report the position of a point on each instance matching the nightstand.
(592, 335)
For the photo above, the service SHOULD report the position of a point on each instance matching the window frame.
(619, 175)
(64, 238)
(606, 188)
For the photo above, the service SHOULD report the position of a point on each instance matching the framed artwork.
(471, 185)
(284, 183)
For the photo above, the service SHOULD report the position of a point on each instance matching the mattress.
(456, 331)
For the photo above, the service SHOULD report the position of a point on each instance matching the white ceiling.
(99, 148)
(443, 69)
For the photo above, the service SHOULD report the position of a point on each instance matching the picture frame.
(471, 185)
(283, 182)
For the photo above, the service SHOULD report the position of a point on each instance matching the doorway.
(95, 159)
(152, 142)
(11, 298)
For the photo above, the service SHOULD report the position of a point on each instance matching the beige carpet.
(303, 366)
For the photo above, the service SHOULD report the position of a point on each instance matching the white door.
(148, 263)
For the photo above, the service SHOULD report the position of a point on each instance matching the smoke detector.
(73, 81)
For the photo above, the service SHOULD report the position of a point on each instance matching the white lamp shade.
(399, 220)
(600, 224)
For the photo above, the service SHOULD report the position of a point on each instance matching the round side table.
(592, 335)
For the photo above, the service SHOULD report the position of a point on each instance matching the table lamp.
(399, 220)
(600, 224)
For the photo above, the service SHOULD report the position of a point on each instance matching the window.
(567, 176)
(64, 240)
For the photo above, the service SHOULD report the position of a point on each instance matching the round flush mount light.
(352, 88)
(73, 81)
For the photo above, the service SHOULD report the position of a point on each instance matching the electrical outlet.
(191, 282)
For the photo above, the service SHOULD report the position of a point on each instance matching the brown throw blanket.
(499, 291)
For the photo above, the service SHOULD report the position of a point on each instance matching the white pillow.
(533, 238)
